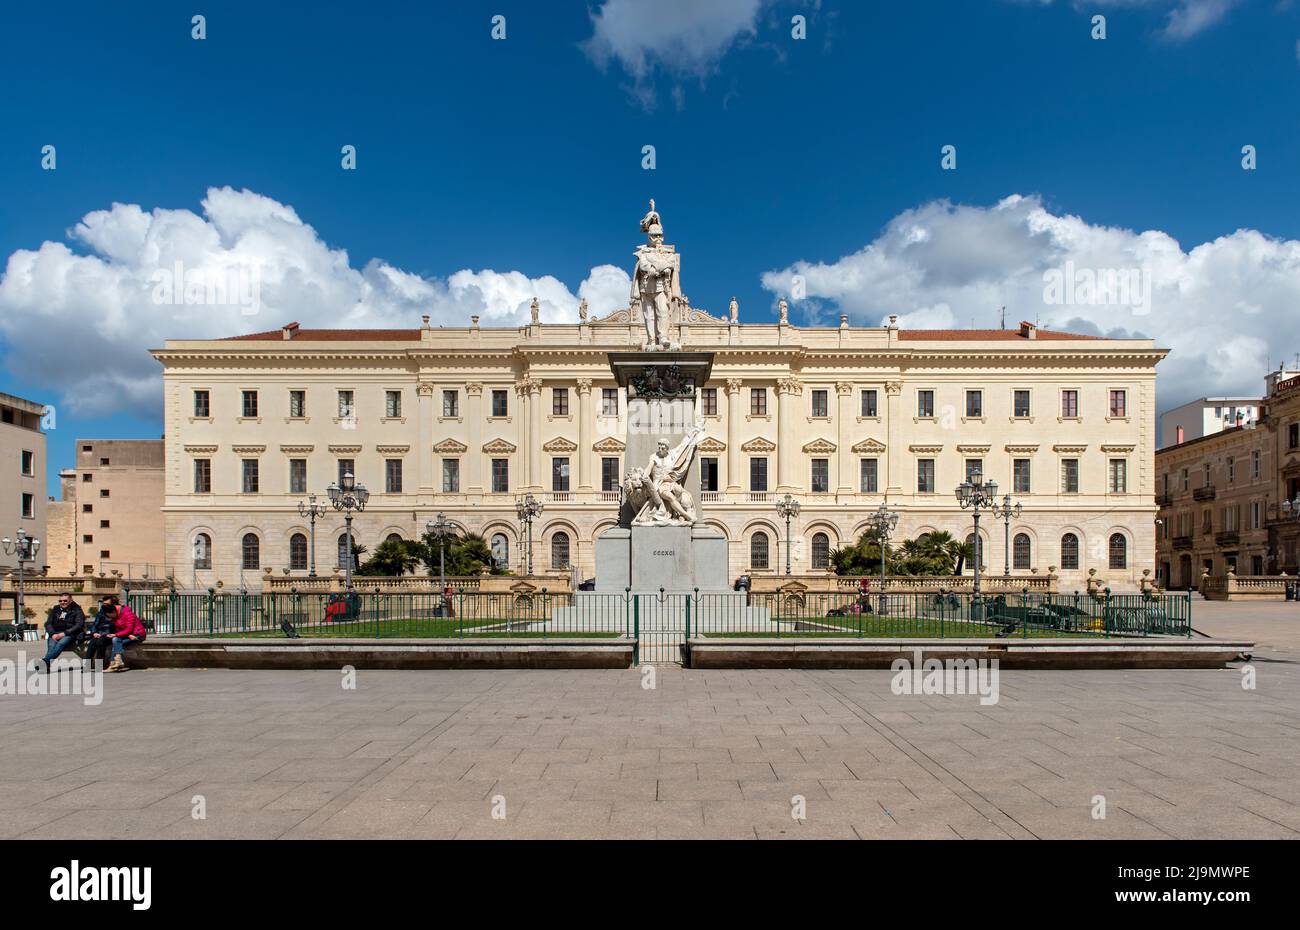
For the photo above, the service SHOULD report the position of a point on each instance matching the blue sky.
(518, 159)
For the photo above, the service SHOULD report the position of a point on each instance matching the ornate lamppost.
(527, 509)
(346, 496)
(882, 521)
(311, 509)
(787, 507)
(440, 526)
(976, 494)
(1007, 512)
(1289, 509)
(24, 549)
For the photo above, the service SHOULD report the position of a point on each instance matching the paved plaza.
(435, 754)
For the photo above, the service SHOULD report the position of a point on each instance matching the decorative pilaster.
(788, 391)
(525, 439)
(474, 390)
(424, 413)
(584, 434)
(534, 448)
(843, 440)
(733, 435)
(892, 480)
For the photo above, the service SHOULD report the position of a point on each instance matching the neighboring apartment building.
(463, 420)
(1219, 496)
(22, 481)
(110, 515)
(1205, 417)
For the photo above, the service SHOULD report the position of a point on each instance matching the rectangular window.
(869, 404)
(346, 467)
(609, 401)
(393, 476)
(1119, 403)
(1069, 476)
(202, 407)
(202, 476)
(1207, 475)
(297, 404)
(1117, 480)
(1020, 476)
(86, 478)
(758, 402)
(297, 476)
(1254, 464)
(1020, 404)
(925, 404)
(29, 506)
(27, 463)
(1293, 436)
(925, 476)
(758, 474)
(868, 475)
(250, 483)
(821, 480)
(250, 403)
(1186, 480)
(87, 508)
(708, 474)
(974, 403)
(559, 474)
(560, 402)
(103, 492)
(500, 403)
(974, 470)
(104, 524)
(609, 474)
(392, 404)
(1232, 469)
(820, 406)
(346, 406)
(451, 403)
(500, 476)
(451, 476)
(709, 401)
(1070, 404)
(87, 537)
(1254, 515)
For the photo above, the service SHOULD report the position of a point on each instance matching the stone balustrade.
(1234, 587)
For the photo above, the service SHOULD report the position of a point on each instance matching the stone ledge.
(805, 653)
(557, 653)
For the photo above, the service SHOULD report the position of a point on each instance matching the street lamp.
(528, 508)
(440, 526)
(787, 507)
(1007, 512)
(882, 521)
(346, 496)
(976, 494)
(1289, 509)
(311, 509)
(24, 548)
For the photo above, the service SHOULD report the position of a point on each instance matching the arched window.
(821, 551)
(251, 548)
(976, 553)
(343, 552)
(202, 551)
(1020, 552)
(298, 552)
(501, 550)
(393, 537)
(1070, 552)
(560, 551)
(1118, 551)
(758, 550)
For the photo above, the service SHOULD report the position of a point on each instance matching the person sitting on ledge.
(127, 631)
(63, 627)
(99, 632)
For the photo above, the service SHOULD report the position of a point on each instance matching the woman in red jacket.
(127, 631)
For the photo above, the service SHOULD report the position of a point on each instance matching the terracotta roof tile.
(332, 335)
(973, 335)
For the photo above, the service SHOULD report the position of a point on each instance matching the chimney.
(289, 330)
(1178, 438)
(1028, 330)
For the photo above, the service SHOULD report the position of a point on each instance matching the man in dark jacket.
(99, 632)
(64, 626)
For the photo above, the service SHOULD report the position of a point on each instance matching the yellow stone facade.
(1073, 415)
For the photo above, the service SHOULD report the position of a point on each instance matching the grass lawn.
(876, 627)
(420, 629)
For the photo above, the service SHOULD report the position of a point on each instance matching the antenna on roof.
(1003, 323)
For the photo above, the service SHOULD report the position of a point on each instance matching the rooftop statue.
(656, 283)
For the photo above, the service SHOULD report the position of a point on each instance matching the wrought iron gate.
(660, 624)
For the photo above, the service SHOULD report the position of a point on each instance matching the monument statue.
(656, 491)
(733, 310)
(655, 283)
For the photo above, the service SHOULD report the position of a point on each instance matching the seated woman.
(99, 632)
(127, 631)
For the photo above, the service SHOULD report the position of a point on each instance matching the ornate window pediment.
(392, 450)
(201, 450)
(712, 446)
(926, 450)
(450, 447)
(344, 450)
(1069, 449)
(1022, 449)
(560, 444)
(974, 449)
(759, 444)
(819, 447)
(869, 446)
(297, 450)
(608, 445)
(1126, 447)
(498, 447)
(248, 450)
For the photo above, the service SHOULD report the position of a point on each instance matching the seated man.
(99, 632)
(63, 627)
(127, 631)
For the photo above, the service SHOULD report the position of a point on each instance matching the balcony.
(713, 497)
(1205, 493)
(1164, 500)
(1183, 542)
(761, 497)
(1227, 538)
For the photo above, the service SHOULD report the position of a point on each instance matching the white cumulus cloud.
(1227, 308)
(78, 321)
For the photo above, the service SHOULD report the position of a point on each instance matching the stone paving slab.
(706, 754)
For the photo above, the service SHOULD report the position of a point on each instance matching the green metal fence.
(660, 622)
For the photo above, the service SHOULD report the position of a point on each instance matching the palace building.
(465, 420)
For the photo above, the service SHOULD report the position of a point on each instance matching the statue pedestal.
(676, 559)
